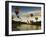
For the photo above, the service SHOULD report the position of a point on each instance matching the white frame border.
(24, 32)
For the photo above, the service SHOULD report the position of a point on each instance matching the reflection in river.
(21, 26)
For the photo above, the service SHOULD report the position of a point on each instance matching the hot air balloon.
(17, 11)
(31, 15)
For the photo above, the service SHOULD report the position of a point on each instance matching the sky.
(24, 9)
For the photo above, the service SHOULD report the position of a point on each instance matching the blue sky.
(24, 9)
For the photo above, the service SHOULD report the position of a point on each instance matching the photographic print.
(24, 18)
